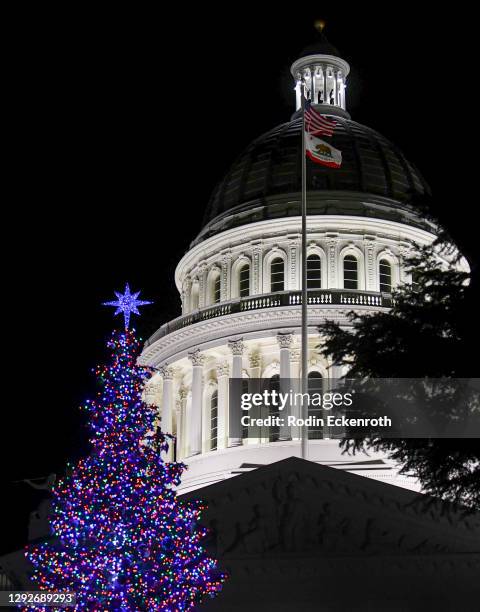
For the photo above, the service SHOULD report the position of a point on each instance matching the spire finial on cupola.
(323, 73)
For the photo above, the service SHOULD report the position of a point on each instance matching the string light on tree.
(121, 538)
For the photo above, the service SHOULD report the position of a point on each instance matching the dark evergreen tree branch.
(429, 332)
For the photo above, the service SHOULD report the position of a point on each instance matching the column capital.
(182, 394)
(223, 369)
(166, 372)
(255, 360)
(236, 346)
(196, 358)
(285, 339)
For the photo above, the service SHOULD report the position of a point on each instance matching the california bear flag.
(321, 152)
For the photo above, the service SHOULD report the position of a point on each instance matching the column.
(255, 371)
(223, 372)
(202, 285)
(181, 438)
(333, 280)
(369, 257)
(341, 89)
(257, 265)
(225, 291)
(167, 404)
(312, 85)
(211, 387)
(195, 424)
(331, 85)
(294, 263)
(324, 84)
(298, 93)
(235, 411)
(285, 341)
(295, 358)
(186, 294)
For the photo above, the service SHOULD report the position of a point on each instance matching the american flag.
(317, 124)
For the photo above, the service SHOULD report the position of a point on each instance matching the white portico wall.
(263, 355)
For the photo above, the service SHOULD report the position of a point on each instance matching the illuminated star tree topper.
(127, 303)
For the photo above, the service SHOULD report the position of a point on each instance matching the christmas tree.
(122, 540)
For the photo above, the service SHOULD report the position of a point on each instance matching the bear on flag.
(321, 152)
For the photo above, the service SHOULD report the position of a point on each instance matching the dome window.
(277, 275)
(350, 272)
(216, 289)
(244, 281)
(385, 276)
(314, 272)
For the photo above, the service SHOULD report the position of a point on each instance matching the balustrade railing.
(316, 297)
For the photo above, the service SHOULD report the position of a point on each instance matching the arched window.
(314, 272)
(213, 420)
(277, 275)
(385, 275)
(315, 385)
(215, 285)
(244, 281)
(350, 272)
(274, 430)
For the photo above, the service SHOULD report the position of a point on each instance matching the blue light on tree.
(121, 539)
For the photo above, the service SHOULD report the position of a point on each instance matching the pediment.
(299, 508)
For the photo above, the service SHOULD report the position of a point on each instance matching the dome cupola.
(323, 74)
(242, 284)
(264, 182)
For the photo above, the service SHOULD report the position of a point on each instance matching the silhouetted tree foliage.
(429, 332)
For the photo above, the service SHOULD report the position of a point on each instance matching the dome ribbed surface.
(271, 165)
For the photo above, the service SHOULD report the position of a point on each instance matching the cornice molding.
(256, 324)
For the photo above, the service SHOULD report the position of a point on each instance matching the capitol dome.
(244, 279)
(265, 180)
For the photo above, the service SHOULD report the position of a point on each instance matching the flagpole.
(304, 360)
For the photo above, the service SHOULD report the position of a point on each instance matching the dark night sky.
(101, 108)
